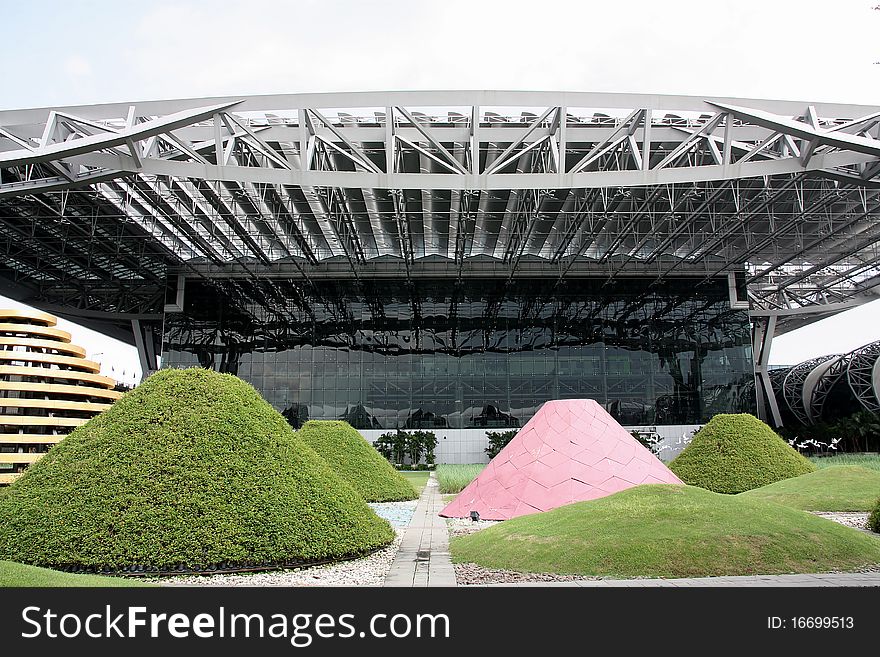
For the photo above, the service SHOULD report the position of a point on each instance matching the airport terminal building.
(473, 353)
(450, 260)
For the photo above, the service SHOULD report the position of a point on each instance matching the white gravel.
(855, 520)
(469, 574)
(397, 513)
(465, 526)
(367, 571)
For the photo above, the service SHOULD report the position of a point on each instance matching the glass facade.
(476, 353)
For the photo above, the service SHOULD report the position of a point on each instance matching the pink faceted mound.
(570, 451)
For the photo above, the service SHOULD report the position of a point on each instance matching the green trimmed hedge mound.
(874, 519)
(736, 453)
(836, 488)
(665, 530)
(190, 470)
(356, 461)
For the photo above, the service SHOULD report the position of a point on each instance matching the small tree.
(414, 446)
(862, 429)
(498, 440)
(429, 442)
(392, 445)
(398, 445)
(385, 445)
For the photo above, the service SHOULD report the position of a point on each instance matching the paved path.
(822, 579)
(423, 558)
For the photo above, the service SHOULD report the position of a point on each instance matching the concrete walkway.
(423, 558)
(821, 579)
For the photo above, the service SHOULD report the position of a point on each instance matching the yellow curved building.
(47, 388)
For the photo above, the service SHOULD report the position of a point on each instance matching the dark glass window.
(477, 354)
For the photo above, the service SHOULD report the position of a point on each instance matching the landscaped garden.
(746, 511)
(669, 531)
(736, 453)
(193, 472)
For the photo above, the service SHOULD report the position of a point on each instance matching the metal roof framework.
(99, 204)
(822, 388)
(799, 382)
(804, 389)
(863, 376)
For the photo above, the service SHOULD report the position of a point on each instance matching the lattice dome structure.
(47, 388)
(793, 386)
(830, 381)
(863, 375)
(829, 387)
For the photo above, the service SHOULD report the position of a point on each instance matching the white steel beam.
(122, 164)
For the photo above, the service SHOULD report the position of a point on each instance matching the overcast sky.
(64, 53)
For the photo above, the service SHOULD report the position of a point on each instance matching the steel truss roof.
(99, 203)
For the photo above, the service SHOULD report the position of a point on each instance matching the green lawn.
(669, 531)
(453, 478)
(837, 488)
(418, 479)
(865, 460)
(18, 574)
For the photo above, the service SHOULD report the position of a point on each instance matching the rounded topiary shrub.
(736, 453)
(874, 519)
(190, 470)
(356, 461)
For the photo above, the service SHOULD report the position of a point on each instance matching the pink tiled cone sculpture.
(572, 450)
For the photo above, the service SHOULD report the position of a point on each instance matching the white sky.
(118, 360)
(100, 51)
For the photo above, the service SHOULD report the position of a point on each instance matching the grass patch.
(190, 468)
(356, 461)
(19, 574)
(662, 530)
(837, 488)
(417, 479)
(452, 478)
(736, 453)
(871, 461)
